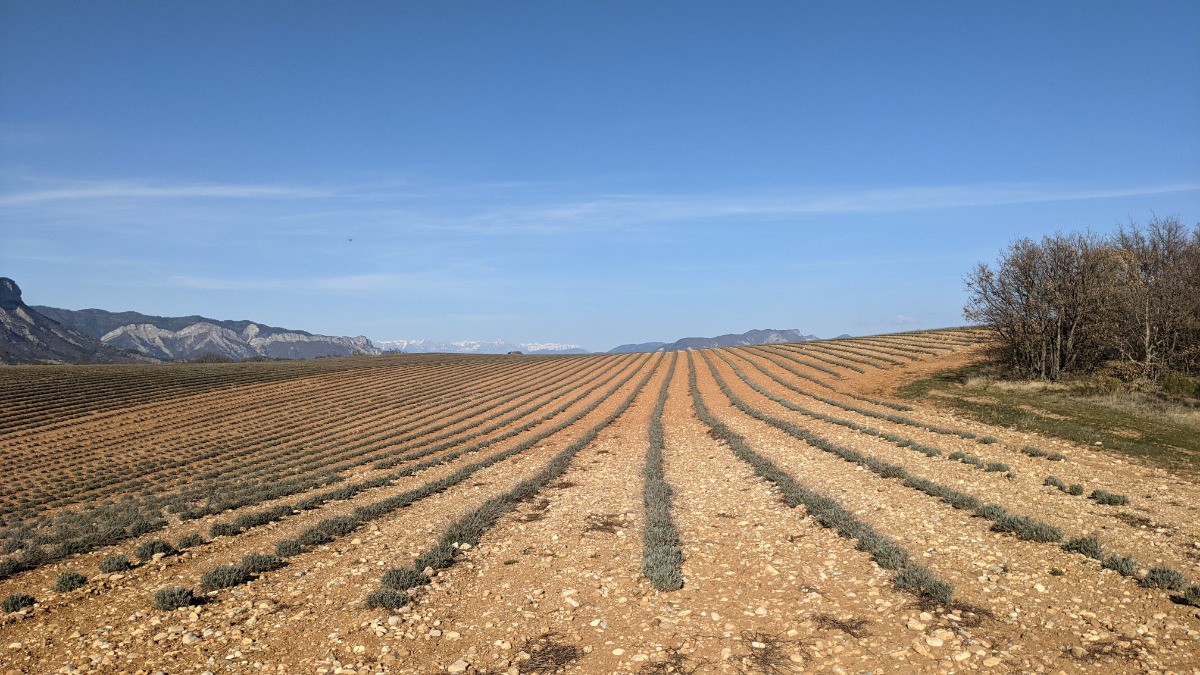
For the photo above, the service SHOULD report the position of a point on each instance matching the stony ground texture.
(556, 583)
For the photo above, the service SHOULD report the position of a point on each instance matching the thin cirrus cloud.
(118, 190)
(354, 282)
(539, 209)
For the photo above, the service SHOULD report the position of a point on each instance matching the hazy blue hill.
(766, 336)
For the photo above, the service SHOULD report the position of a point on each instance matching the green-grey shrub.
(256, 563)
(222, 530)
(1056, 457)
(991, 511)
(662, 558)
(148, 549)
(16, 602)
(1108, 498)
(1164, 577)
(957, 455)
(996, 466)
(190, 540)
(169, 599)
(314, 536)
(919, 580)
(223, 577)
(1033, 452)
(972, 460)
(886, 553)
(403, 578)
(387, 598)
(1075, 489)
(1089, 546)
(69, 581)
(115, 563)
(988, 440)
(1192, 596)
(288, 548)
(823, 509)
(1121, 565)
(1026, 528)
(1055, 481)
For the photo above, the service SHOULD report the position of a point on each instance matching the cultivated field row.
(762, 509)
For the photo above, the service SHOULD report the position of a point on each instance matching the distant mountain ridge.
(187, 337)
(27, 336)
(766, 336)
(476, 347)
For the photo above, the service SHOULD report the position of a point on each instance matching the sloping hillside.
(26, 336)
(188, 337)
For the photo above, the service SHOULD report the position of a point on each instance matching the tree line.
(1075, 303)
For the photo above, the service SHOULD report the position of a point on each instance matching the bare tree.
(1040, 301)
(1072, 302)
(1156, 296)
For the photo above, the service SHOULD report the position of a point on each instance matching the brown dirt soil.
(556, 585)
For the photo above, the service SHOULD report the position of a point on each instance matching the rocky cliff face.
(28, 337)
(185, 338)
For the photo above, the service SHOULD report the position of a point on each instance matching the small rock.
(933, 641)
(915, 625)
(962, 656)
(618, 651)
(457, 667)
(991, 662)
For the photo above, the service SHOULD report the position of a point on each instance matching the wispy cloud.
(523, 212)
(779, 203)
(136, 190)
(512, 208)
(358, 282)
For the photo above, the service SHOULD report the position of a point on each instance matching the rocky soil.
(556, 585)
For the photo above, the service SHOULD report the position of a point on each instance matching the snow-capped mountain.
(476, 347)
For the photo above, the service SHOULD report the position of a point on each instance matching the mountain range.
(26, 336)
(767, 336)
(188, 337)
(50, 334)
(753, 337)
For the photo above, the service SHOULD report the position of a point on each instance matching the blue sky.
(586, 172)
